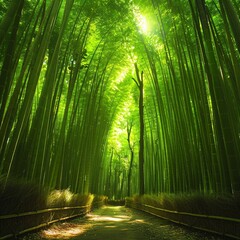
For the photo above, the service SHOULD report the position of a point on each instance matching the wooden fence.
(16, 224)
(224, 226)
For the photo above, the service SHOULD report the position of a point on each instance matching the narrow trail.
(115, 223)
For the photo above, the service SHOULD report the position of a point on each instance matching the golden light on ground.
(107, 219)
(139, 221)
(112, 219)
(65, 231)
(115, 218)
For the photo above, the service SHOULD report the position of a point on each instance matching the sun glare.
(141, 20)
(122, 75)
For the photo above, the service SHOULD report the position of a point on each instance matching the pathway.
(119, 223)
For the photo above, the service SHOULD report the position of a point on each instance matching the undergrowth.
(18, 196)
(214, 205)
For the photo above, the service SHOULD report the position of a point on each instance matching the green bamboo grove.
(69, 103)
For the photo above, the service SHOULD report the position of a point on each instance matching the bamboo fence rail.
(13, 225)
(224, 226)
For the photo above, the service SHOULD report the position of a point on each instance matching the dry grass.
(18, 196)
(224, 205)
(65, 198)
(100, 198)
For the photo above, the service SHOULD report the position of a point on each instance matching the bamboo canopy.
(72, 117)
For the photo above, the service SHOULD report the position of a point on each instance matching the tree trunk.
(131, 148)
(139, 83)
(130, 173)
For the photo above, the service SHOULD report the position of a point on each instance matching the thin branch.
(136, 82)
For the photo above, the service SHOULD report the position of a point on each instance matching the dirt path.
(115, 223)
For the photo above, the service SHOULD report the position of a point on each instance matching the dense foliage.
(69, 104)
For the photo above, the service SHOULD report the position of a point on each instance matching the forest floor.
(118, 222)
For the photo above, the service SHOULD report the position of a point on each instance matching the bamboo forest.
(120, 98)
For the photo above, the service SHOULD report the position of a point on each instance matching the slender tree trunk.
(131, 148)
(7, 20)
(139, 83)
(109, 178)
(7, 73)
(234, 20)
(130, 173)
